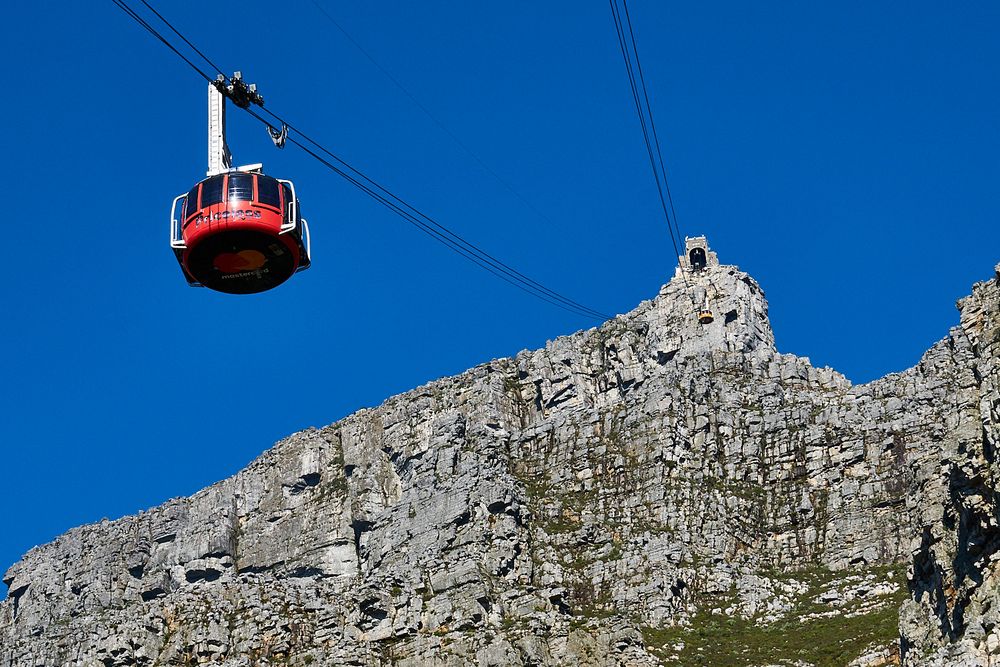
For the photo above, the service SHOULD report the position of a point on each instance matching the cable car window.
(287, 191)
(191, 202)
(240, 187)
(267, 191)
(211, 191)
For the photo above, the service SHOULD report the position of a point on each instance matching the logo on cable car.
(238, 214)
(237, 262)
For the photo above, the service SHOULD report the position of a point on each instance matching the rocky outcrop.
(652, 491)
(952, 615)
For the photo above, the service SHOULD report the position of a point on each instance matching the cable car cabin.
(239, 233)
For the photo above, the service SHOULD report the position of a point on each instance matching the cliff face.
(654, 491)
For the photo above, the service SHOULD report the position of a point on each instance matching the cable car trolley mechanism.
(238, 231)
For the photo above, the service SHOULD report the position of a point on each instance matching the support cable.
(141, 21)
(384, 196)
(434, 234)
(635, 83)
(652, 123)
(441, 230)
(185, 39)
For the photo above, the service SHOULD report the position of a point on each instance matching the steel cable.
(384, 196)
(642, 112)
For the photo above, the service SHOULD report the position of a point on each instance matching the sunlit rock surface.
(653, 491)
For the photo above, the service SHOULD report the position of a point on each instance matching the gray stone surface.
(581, 504)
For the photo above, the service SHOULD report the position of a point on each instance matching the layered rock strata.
(652, 491)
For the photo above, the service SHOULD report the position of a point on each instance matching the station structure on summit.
(697, 255)
(696, 258)
(239, 230)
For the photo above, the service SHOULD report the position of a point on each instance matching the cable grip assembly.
(241, 94)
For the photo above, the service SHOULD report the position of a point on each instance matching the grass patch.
(825, 641)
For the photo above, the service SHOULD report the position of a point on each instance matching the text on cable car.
(227, 215)
(245, 274)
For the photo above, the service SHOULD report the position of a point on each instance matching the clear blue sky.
(845, 154)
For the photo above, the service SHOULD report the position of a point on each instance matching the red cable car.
(239, 231)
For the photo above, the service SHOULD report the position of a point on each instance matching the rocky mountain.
(655, 491)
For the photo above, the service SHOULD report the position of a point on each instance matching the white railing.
(176, 237)
(293, 209)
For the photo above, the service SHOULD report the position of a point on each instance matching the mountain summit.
(664, 489)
